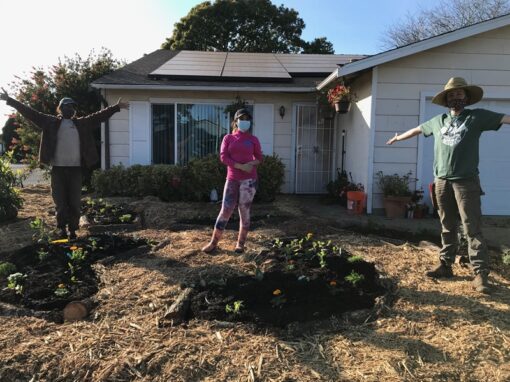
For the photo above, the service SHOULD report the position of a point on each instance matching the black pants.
(66, 193)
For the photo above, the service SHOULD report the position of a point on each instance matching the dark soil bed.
(296, 280)
(100, 212)
(50, 275)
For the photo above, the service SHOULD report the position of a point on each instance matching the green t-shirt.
(456, 141)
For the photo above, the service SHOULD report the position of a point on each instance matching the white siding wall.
(482, 60)
(356, 124)
(282, 129)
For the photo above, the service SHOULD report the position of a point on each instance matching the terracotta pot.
(395, 206)
(342, 107)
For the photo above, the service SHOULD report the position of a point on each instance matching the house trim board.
(370, 175)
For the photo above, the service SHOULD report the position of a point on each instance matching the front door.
(314, 150)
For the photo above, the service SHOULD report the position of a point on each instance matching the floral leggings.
(239, 192)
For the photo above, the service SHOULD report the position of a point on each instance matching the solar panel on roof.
(248, 65)
(261, 65)
(311, 63)
(189, 63)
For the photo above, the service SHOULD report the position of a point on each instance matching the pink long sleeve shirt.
(241, 148)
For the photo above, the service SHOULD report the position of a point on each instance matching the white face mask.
(243, 125)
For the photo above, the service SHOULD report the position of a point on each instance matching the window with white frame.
(181, 132)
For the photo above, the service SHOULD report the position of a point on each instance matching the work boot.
(481, 282)
(443, 270)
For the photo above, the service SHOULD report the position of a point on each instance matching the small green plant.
(235, 308)
(41, 235)
(77, 255)
(16, 281)
(354, 259)
(93, 243)
(61, 291)
(506, 257)
(6, 269)
(42, 254)
(125, 218)
(354, 278)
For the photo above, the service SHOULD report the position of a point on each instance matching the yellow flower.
(60, 241)
(61, 286)
(73, 248)
(332, 283)
(277, 292)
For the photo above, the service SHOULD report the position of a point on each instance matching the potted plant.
(340, 97)
(397, 194)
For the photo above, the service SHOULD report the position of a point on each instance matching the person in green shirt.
(457, 184)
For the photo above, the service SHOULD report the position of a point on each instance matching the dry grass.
(435, 331)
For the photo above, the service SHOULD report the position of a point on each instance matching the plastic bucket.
(355, 202)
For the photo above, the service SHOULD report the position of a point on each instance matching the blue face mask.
(243, 125)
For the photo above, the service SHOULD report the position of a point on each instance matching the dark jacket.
(49, 124)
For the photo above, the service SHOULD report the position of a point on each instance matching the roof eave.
(301, 89)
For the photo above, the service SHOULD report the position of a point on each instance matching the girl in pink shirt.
(241, 153)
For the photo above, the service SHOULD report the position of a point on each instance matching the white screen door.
(314, 150)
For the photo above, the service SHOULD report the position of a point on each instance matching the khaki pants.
(66, 193)
(461, 197)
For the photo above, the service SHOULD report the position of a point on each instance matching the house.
(393, 88)
(178, 100)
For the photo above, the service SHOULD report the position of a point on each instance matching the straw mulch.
(434, 331)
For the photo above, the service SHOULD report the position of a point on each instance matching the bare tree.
(447, 16)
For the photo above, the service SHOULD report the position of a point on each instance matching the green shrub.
(192, 182)
(6, 269)
(200, 176)
(10, 200)
(167, 182)
(271, 174)
(394, 185)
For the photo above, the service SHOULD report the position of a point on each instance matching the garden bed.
(297, 279)
(48, 275)
(99, 216)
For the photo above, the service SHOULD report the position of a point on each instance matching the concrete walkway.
(496, 229)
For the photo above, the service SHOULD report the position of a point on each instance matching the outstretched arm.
(105, 114)
(33, 115)
(505, 119)
(402, 137)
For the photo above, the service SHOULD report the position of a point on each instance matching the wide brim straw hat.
(473, 92)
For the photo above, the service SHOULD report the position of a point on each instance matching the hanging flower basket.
(340, 97)
(342, 107)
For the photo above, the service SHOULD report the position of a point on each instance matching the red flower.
(339, 93)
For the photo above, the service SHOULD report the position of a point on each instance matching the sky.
(37, 33)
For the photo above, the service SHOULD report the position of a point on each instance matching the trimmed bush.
(201, 176)
(271, 173)
(193, 182)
